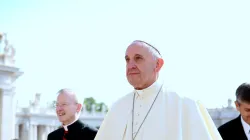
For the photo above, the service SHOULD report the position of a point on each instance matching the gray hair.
(72, 93)
(155, 52)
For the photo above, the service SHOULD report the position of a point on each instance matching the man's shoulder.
(230, 124)
(88, 128)
(181, 99)
(170, 93)
(124, 99)
(54, 133)
(87, 131)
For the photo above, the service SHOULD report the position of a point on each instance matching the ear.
(159, 64)
(237, 105)
(79, 107)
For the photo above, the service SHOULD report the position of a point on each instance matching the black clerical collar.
(67, 126)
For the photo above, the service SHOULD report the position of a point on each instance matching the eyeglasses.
(63, 104)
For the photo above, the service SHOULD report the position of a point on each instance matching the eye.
(127, 59)
(138, 58)
(247, 110)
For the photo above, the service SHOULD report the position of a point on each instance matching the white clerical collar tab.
(66, 126)
(153, 87)
(139, 91)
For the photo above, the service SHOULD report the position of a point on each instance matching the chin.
(61, 119)
(136, 86)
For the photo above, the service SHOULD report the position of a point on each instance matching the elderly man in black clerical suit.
(68, 109)
(239, 128)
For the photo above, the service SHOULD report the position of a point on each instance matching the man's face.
(244, 109)
(66, 108)
(141, 66)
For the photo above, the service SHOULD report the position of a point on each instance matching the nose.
(58, 108)
(131, 65)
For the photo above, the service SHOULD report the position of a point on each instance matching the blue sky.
(80, 44)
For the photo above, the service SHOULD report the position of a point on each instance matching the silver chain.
(144, 117)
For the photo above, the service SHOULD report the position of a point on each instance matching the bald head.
(70, 94)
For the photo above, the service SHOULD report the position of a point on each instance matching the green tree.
(88, 102)
(99, 107)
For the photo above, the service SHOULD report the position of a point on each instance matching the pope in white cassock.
(151, 111)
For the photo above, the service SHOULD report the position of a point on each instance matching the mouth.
(133, 73)
(61, 114)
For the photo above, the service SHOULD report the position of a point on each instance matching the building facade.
(8, 75)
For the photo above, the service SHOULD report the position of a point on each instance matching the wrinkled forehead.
(137, 48)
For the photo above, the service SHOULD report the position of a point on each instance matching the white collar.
(246, 127)
(66, 126)
(152, 89)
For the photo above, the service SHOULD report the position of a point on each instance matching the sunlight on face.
(141, 66)
(66, 108)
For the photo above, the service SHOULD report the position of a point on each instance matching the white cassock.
(171, 118)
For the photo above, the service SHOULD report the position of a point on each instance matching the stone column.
(34, 132)
(7, 124)
(17, 131)
(8, 75)
(47, 130)
(24, 134)
(31, 132)
(42, 134)
(39, 132)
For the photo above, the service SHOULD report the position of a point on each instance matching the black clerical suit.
(233, 130)
(76, 131)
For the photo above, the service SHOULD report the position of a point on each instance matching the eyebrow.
(149, 45)
(126, 56)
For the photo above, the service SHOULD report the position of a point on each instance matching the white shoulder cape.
(173, 118)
